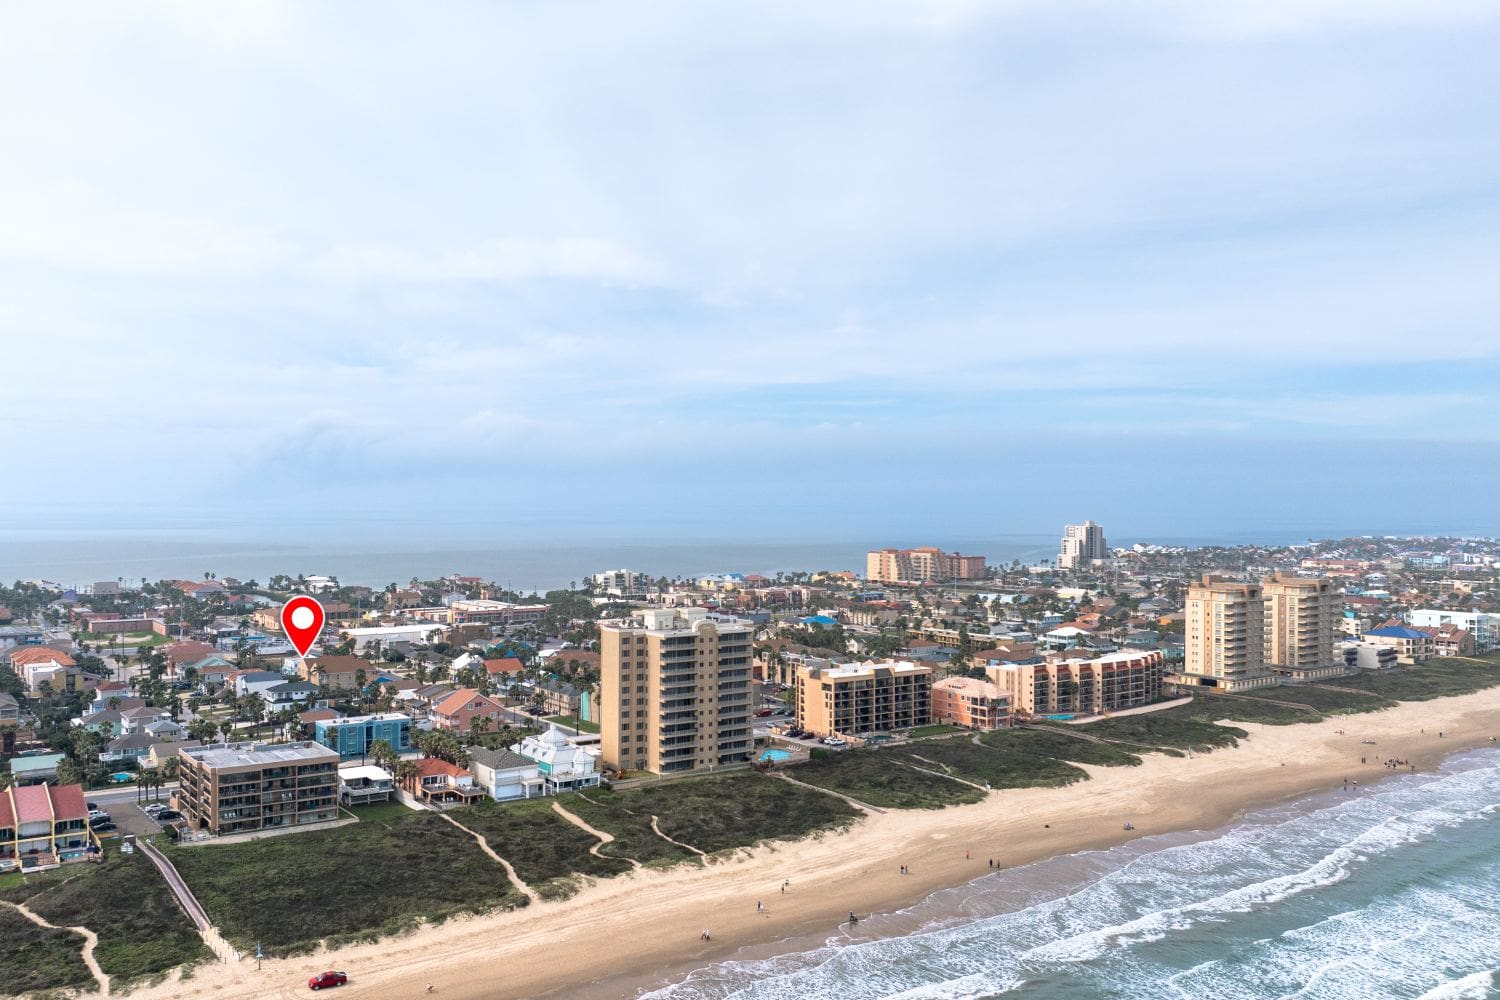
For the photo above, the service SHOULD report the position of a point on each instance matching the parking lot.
(129, 818)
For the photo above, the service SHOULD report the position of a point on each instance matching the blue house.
(353, 736)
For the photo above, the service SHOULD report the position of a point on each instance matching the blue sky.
(779, 270)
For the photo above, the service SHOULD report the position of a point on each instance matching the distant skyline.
(874, 272)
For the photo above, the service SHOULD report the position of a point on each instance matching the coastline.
(632, 933)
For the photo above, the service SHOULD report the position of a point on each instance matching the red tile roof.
(39, 654)
(459, 699)
(504, 665)
(429, 767)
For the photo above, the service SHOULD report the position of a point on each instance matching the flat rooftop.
(245, 754)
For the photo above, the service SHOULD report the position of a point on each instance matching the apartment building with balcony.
(969, 702)
(855, 698)
(922, 565)
(352, 736)
(1302, 620)
(675, 691)
(1072, 685)
(245, 787)
(1224, 637)
(43, 826)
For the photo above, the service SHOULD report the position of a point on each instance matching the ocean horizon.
(374, 557)
(1386, 891)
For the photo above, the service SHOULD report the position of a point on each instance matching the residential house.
(134, 747)
(365, 784)
(562, 765)
(504, 774)
(258, 682)
(43, 826)
(503, 671)
(1449, 640)
(10, 709)
(180, 654)
(560, 698)
(459, 709)
(38, 665)
(439, 782)
(34, 768)
(1411, 645)
(342, 672)
(134, 720)
(289, 694)
(109, 723)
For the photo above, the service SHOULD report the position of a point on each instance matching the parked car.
(98, 816)
(167, 815)
(834, 741)
(92, 806)
(761, 713)
(323, 979)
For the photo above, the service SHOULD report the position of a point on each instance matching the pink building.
(969, 702)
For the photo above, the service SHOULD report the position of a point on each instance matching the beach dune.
(621, 935)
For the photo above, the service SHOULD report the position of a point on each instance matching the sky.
(773, 270)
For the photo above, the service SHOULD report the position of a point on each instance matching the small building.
(365, 784)
(562, 765)
(969, 702)
(438, 782)
(354, 735)
(504, 774)
(462, 707)
(10, 709)
(1411, 645)
(34, 769)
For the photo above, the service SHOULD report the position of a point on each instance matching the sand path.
(90, 941)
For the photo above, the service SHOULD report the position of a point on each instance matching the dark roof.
(498, 759)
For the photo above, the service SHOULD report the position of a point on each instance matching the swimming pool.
(776, 755)
(1061, 718)
(121, 776)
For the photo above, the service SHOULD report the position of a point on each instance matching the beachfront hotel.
(1302, 619)
(854, 698)
(1081, 545)
(924, 565)
(1064, 685)
(1225, 633)
(244, 787)
(675, 691)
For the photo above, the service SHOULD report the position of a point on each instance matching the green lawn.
(352, 883)
(1173, 728)
(379, 812)
(996, 767)
(934, 730)
(141, 640)
(616, 813)
(878, 778)
(142, 931)
(546, 850)
(34, 958)
(1060, 744)
(574, 722)
(740, 810)
(1437, 678)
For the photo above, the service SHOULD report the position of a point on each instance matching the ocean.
(1390, 891)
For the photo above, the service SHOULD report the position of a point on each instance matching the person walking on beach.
(759, 907)
(704, 936)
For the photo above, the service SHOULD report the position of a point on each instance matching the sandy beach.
(620, 935)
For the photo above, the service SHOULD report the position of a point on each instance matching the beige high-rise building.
(675, 691)
(857, 698)
(1225, 636)
(1302, 620)
(1081, 545)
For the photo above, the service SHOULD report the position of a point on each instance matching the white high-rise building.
(1081, 545)
(622, 582)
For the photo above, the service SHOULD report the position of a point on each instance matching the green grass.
(546, 850)
(352, 883)
(1331, 702)
(138, 639)
(877, 778)
(1269, 708)
(723, 813)
(35, 958)
(1061, 745)
(1437, 678)
(574, 722)
(1173, 728)
(934, 730)
(988, 765)
(616, 814)
(142, 931)
(379, 812)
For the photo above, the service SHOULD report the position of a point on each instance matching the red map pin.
(302, 620)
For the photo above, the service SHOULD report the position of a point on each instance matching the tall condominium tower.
(1225, 635)
(1301, 621)
(675, 690)
(1081, 544)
